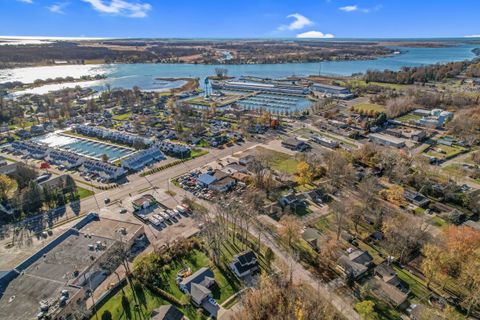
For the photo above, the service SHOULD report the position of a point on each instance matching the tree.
(269, 257)
(274, 299)
(432, 263)
(8, 187)
(394, 195)
(366, 310)
(24, 175)
(339, 169)
(32, 199)
(105, 157)
(339, 209)
(404, 235)
(70, 187)
(290, 230)
(304, 173)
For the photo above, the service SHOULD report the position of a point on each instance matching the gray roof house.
(167, 312)
(387, 286)
(198, 286)
(244, 264)
(355, 264)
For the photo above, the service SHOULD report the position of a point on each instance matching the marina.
(85, 147)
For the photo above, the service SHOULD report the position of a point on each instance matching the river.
(145, 75)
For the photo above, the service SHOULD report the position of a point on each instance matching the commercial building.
(386, 140)
(436, 118)
(324, 141)
(54, 282)
(335, 91)
(295, 144)
(264, 86)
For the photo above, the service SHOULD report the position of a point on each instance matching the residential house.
(292, 200)
(416, 198)
(31, 149)
(64, 159)
(313, 237)
(174, 149)
(104, 170)
(246, 159)
(197, 286)
(167, 312)
(386, 285)
(244, 264)
(143, 158)
(355, 263)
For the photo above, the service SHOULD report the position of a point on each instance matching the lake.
(145, 75)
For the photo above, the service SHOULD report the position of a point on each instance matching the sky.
(240, 18)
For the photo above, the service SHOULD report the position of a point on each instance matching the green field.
(369, 107)
(363, 83)
(122, 117)
(306, 133)
(279, 161)
(84, 193)
(122, 305)
(408, 117)
(441, 151)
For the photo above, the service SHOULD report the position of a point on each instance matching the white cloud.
(26, 1)
(349, 8)
(121, 7)
(473, 36)
(315, 35)
(299, 22)
(57, 8)
(354, 8)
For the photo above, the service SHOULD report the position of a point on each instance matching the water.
(88, 148)
(144, 75)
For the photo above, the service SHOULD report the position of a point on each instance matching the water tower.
(208, 88)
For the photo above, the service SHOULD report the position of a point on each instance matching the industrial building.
(386, 140)
(54, 282)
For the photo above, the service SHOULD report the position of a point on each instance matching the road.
(161, 180)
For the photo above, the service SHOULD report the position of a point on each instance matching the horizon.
(67, 38)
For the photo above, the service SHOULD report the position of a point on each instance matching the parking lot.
(160, 232)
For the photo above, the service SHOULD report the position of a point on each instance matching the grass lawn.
(415, 284)
(363, 83)
(26, 125)
(122, 306)
(408, 117)
(280, 161)
(368, 107)
(198, 153)
(305, 133)
(439, 222)
(122, 117)
(227, 284)
(84, 193)
(441, 151)
(419, 211)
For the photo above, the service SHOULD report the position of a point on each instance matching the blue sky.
(241, 18)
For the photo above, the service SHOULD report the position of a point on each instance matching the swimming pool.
(84, 147)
